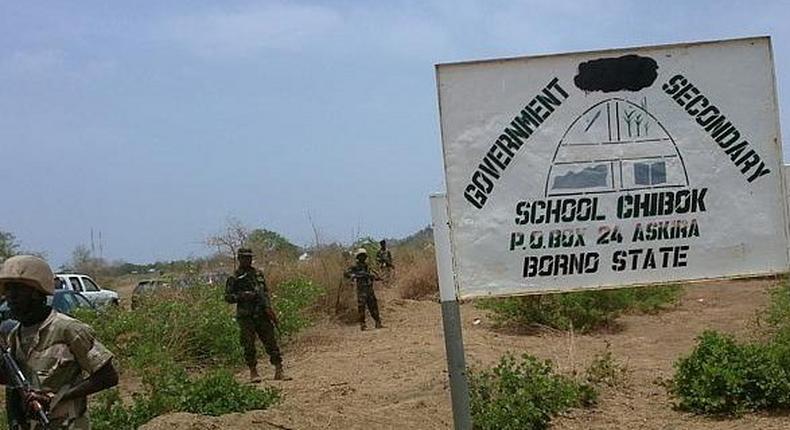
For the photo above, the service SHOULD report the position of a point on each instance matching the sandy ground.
(395, 378)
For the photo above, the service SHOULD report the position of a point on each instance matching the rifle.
(371, 275)
(22, 385)
(337, 301)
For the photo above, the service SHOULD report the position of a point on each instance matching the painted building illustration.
(616, 145)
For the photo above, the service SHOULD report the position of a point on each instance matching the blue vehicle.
(64, 301)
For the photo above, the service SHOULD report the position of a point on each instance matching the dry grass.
(325, 268)
(416, 277)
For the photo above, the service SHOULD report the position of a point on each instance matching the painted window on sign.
(650, 173)
(585, 177)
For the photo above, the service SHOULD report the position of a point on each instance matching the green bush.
(523, 394)
(171, 390)
(177, 329)
(194, 325)
(292, 299)
(723, 376)
(218, 393)
(584, 311)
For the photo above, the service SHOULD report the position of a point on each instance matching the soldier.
(384, 257)
(254, 313)
(366, 297)
(52, 350)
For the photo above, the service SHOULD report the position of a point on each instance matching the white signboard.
(613, 168)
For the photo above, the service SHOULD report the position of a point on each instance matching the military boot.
(279, 375)
(363, 327)
(379, 324)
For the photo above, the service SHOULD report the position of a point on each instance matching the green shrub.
(523, 394)
(722, 376)
(169, 389)
(218, 393)
(179, 328)
(292, 299)
(193, 326)
(584, 311)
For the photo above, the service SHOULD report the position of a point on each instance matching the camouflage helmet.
(361, 251)
(29, 270)
(244, 252)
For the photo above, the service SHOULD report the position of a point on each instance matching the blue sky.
(155, 122)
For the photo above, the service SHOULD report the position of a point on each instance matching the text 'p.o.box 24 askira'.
(611, 168)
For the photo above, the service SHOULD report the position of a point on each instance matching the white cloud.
(247, 30)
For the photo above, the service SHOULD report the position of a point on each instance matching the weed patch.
(605, 369)
(523, 394)
(583, 311)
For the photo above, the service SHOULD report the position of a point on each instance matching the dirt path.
(395, 378)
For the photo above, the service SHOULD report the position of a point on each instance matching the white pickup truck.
(86, 286)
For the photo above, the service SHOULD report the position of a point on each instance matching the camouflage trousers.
(259, 326)
(366, 298)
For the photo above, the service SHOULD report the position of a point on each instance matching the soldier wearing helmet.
(53, 350)
(366, 297)
(254, 313)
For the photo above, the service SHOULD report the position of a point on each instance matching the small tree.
(83, 261)
(8, 245)
(80, 257)
(230, 239)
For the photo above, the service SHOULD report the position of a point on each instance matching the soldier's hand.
(248, 295)
(43, 398)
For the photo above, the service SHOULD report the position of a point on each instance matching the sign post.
(613, 168)
(606, 169)
(451, 315)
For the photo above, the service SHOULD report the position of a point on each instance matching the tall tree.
(271, 245)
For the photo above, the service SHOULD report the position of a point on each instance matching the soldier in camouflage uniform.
(366, 297)
(58, 355)
(254, 313)
(384, 257)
